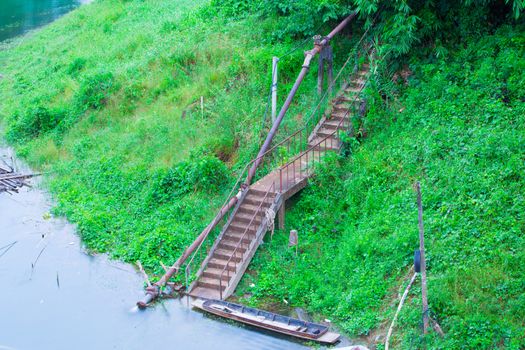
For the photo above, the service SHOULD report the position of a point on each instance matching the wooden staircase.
(235, 246)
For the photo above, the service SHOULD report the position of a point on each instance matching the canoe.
(268, 320)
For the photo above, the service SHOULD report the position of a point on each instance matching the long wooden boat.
(268, 320)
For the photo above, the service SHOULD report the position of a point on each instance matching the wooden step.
(330, 144)
(256, 200)
(349, 101)
(357, 84)
(240, 227)
(254, 219)
(231, 247)
(248, 208)
(223, 254)
(324, 132)
(204, 293)
(353, 90)
(214, 273)
(212, 283)
(236, 237)
(341, 108)
(338, 115)
(334, 124)
(258, 193)
(216, 263)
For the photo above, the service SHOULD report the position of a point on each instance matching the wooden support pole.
(320, 70)
(202, 107)
(320, 76)
(423, 263)
(143, 273)
(275, 60)
(330, 70)
(281, 216)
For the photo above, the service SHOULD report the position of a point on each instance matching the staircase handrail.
(234, 253)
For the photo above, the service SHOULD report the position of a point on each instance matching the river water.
(19, 16)
(56, 296)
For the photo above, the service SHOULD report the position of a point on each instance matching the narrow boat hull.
(269, 321)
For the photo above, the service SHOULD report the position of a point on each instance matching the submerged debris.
(6, 248)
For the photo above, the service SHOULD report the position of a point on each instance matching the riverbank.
(105, 131)
(59, 296)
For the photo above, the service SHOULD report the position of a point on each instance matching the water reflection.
(20, 16)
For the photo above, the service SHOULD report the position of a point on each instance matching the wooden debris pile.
(10, 181)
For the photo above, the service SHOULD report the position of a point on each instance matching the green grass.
(462, 134)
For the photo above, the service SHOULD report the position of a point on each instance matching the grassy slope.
(462, 134)
(98, 96)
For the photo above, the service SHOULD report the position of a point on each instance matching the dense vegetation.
(108, 100)
(461, 132)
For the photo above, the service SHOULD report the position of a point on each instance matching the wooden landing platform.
(292, 177)
(205, 293)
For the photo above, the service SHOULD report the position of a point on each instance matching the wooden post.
(202, 107)
(275, 60)
(401, 302)
(281, 216)
(320, 71)
(423, 264)
(330, 70)
(320, 75)
(293, 240)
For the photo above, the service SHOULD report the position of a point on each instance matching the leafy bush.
(401, 25)
(204, 173)
(76, 66)
(34, 122)
(95, 90)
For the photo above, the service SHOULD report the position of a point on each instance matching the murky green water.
(19, 16)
